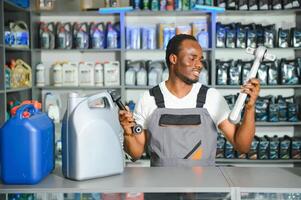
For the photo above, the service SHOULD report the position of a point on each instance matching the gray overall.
(181, 137)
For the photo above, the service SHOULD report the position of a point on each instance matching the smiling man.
(181, 117)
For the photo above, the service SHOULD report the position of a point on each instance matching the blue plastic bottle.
(111, 37)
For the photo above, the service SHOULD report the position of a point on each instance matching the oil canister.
(40, 75)
(86, 74)
(98, 74)
(57, 75)
(26, 147)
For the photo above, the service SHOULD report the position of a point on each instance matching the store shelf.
(9, 6)
(2, 91)
(278, 123)
(134, 87)
(260, 12)
(78, 50)
(78, 88)
(166, 13)
(18, 89)
(69, 13)
(16, 49)
(261, 86)
(242, 49)
(154, 50)
(248, 161)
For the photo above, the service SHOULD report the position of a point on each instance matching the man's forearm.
(245, 133)
(133, 146)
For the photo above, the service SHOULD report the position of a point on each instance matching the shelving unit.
(2, 72)
(261, 86)
(11, 12)
(78, 88)
(77, 50)
(18, 89)
(16, 49)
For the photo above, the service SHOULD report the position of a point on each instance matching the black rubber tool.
(137, 129)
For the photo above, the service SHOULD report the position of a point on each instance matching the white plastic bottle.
(57, 75)
(52, 105)
(130, 77)
(40, 75)
(74, 65)
(165, 74)
(112, 73)
(153, 77)
(98, 74)
(86, 74)
(203, 78)
(69, 75)
(142, 77)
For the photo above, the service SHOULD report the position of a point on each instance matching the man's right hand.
(127, 121)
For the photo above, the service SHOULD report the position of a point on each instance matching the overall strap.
(202, 96)
(156, 92)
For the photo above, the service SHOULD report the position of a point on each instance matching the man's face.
(189, 62)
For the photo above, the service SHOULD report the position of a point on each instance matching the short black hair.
(174, 45)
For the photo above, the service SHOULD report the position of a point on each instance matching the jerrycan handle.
(27, 107)
(102, 95)
(21, 23)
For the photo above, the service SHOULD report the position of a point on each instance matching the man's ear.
(173, 59)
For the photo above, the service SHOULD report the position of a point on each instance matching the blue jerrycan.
(26, 147)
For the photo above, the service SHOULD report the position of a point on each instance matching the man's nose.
(199, 64)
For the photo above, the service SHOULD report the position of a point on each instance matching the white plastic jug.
(142, 77)
(75, 68)
(130, 76)
(203, 78)
(86, 74)
(57, 75)
(91, 137)
(98, 74)
(112, 73)
(165, 74)
(40, 75)
(52, 104)
(153, 77)
(70, 75)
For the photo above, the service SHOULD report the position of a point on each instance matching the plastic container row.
(237, 35)
(78, 74)
(280, 72)
(263, 148)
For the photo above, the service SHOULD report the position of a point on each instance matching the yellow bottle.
(21, 75)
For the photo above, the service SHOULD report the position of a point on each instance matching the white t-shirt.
(215, 104)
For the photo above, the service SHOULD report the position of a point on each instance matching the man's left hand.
(252, 88)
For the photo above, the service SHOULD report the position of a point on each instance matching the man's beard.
(186, 79)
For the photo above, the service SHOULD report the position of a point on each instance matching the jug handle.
(22, 23)
(31, 109)
(102, 95)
